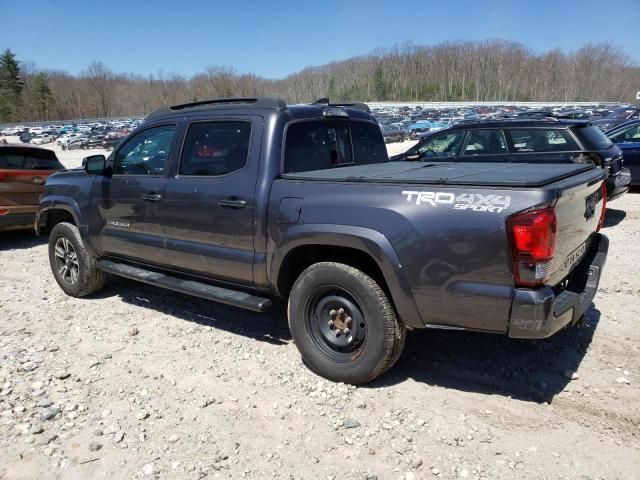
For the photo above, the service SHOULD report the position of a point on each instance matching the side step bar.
(197, 289)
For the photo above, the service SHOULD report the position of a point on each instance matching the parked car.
(65, 138)
(74, 143)
(110, 142)
(546, 140)
(23, 172)
(228, 200)
(41, 139)
(26, 136)
(392, 133)
(627, 137)
(618, 116)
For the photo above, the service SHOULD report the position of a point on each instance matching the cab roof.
(320, 108)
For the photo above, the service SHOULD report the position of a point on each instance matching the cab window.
(146, 153)
(215, 148)
(317, 145)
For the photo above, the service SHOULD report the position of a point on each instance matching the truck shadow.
(268, 327)
(475, 362)
(493, 364)
(613, 217)
(20, 240)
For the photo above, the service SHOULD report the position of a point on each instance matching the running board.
(197, 289)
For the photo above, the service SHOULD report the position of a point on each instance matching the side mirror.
(94, 164)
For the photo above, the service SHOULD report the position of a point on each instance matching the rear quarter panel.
(455, 259)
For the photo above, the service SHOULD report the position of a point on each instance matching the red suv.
(23, 171)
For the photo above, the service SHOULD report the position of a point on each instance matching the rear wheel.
(343, 323)
(74, 269)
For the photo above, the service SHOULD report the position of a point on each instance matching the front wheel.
(76, 272)
(343, 323)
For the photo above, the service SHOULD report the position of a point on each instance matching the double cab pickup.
(243, 200)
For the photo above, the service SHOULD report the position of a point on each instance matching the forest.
(490, 70)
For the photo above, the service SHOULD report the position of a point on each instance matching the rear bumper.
(540, 313)
(619, 184)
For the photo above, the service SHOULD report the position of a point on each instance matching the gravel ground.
(137, 382)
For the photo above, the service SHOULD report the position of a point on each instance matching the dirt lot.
(137, 382)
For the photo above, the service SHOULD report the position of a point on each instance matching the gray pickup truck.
(243, 200)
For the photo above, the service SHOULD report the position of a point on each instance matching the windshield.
(621, 114)
(29, 159)
(595, 138)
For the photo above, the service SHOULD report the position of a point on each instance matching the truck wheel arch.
(359, 247)
(56, 210)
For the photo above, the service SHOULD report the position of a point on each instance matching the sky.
(273, 38)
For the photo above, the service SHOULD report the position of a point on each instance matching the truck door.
(209, 209)
(125, 207)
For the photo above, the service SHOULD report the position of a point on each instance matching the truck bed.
(448, 173)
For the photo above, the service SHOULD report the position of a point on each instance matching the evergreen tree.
(11, 85)
(332, 94)
(379, 87)
(42, 96)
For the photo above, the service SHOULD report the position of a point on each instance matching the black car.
(627, 137)
(546, 140)
(618, 116)
(111, 142)
(95, 141)
(392, 133)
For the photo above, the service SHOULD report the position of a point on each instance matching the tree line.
(491, 70)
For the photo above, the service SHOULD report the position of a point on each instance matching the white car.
(12, 130)
(66, 138)
(41, 139)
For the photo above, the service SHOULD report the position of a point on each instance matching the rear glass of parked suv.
(28, 159)
(593, 138)
(320, 145)
(529, 140)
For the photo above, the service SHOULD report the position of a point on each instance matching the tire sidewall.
(59, 231)
(373, 349)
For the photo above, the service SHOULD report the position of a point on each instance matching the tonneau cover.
(464, 173)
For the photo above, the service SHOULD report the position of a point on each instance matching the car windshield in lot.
(596, 139)
(620, 114)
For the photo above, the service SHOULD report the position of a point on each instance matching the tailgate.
(578, 211)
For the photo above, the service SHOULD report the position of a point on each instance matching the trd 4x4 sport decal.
(464, 201)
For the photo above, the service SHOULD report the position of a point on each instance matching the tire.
(374, 337)
(66, 248)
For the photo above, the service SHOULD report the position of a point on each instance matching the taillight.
(604, 207)
(3, 211)
(532, 238)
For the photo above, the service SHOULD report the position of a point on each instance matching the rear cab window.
(324, 144)
(543, 140)
(28, 159)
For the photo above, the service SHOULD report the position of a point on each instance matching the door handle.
(232, 202)
(151, 197)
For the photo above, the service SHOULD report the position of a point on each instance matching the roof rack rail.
(357, 105)
(256, 102)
